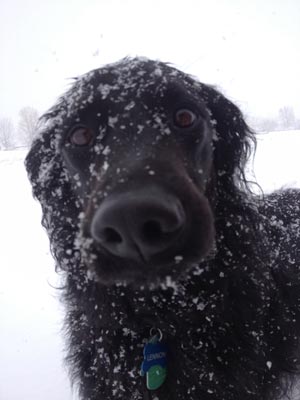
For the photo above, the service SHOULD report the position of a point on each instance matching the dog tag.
(154, 365)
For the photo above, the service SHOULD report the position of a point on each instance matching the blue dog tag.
(154, 365)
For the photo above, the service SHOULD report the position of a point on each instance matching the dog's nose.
(140, 224)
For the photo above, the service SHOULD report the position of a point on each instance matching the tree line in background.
(23, 133)
(12, 136)
(285, 120)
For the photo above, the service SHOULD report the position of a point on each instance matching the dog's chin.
(150, 277)
(144, 275)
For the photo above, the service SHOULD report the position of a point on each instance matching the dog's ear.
(42, 162)
(33, 162)
(39, 164)
(52, 188)
(234, 140)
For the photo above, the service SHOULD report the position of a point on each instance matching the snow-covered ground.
(277, 160)
(31, 349)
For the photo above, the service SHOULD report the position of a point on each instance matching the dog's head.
(126, 169)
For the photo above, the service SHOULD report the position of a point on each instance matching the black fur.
(223, 288)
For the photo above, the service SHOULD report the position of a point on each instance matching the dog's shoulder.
(283, 206)
(280, 212)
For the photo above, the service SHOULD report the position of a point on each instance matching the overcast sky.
(250, 49)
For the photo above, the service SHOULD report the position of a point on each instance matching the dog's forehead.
(139, 76)
(124, 85)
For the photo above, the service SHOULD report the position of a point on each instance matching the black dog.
(139, 169)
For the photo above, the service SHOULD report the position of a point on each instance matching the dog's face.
(136, 168)
(139, 154)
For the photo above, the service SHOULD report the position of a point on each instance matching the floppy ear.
(52, 188)
(41, 167)
(33, 163)
(234, 139)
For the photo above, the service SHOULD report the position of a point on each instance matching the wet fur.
(229, 312)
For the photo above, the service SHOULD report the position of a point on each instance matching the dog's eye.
(184, 118)
(81, 136)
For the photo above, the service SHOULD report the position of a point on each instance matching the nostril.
(152, 231)
(111, 236)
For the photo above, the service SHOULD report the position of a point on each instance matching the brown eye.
(81, 136)
(184, 118)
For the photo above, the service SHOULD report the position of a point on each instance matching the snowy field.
(31, 349)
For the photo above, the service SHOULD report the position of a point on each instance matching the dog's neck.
(166, 306)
